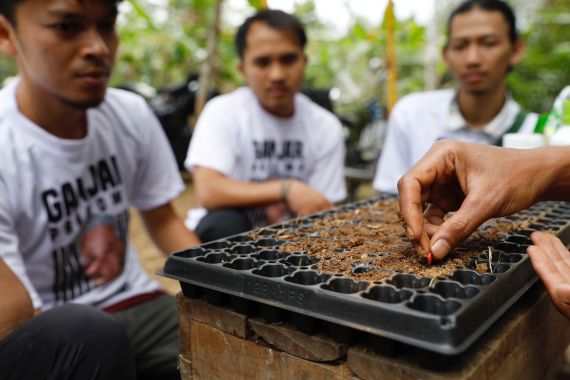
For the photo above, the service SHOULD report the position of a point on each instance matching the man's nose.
(473, 54)
(277, 72)
(95, 45)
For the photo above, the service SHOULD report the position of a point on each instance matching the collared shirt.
(419, 120)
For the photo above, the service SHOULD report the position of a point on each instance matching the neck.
(283, 113)
(478, 109)
(52, 114)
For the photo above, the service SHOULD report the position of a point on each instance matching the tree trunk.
(208, 70)
(391, 50)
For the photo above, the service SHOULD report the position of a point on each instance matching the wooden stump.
(218, 343)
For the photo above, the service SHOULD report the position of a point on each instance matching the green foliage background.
(162, 45)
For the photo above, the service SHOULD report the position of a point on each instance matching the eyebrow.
(70, 15)
(487, 35)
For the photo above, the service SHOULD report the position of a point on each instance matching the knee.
(84, 324)
(80, 340)
(218, 224)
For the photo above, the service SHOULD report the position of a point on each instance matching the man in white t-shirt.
(75, 157)
(265, 151)
(482, 48)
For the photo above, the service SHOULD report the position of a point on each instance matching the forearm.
(174, 236)
(15, 303)
(218, 191)
(167, 230)
(556, 161)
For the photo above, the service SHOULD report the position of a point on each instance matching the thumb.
(458, 227)
(562, 292)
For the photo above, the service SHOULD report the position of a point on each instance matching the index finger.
(414, 188)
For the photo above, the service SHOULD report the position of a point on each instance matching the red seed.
(430, 258)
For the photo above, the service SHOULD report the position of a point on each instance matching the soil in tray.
(369, 243)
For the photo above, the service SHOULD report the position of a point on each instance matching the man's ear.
(305, 58)
(518, 52)
(444, 55)
(240, 67)
(7, 37)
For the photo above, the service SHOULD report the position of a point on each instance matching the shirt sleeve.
(394, 160)
(214, 140)
(9, 250)
(158, 180)
(328, 174)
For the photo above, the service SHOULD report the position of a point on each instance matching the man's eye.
(458, 46)
(289, 59)
(108, 26)
(261, 62)
(67, 27)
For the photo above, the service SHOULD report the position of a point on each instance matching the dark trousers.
(152, 328)
(218, 224)
(67, 342)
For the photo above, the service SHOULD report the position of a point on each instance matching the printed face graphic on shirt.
(102, 251)
(87, 224)
(273, 65)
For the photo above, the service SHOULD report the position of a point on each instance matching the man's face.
(479, 52)
(102, 253)
(65, 49)
(273, 65)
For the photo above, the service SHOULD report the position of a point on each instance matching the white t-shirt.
(50, 188)
(237, 137)
(420, 119)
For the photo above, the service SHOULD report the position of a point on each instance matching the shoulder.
(124, 107)
(316, 114)
(227, 113)
(8, 111)
(122, 98)
(237, 98)
(8, 98)
(425, 100)
(124, 115)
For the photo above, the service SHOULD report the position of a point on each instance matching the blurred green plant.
(545, 69)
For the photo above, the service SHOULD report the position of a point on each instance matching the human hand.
(276, 212)
(478, 181)
(551, 260)
(103, 254)
(304, 200)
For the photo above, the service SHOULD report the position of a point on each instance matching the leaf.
(141, 12)
(258, 4)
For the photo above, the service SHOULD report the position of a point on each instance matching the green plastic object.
(541, 123)
(566, 112)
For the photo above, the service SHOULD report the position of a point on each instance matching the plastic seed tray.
(443, 314)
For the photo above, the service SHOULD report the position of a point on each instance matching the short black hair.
(488, 5)
(8, 7)
(274, 18)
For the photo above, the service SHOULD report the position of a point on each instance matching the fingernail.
(440, 248)
(410, 233)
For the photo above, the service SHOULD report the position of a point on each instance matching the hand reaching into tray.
(480, 182)
(304, 200)
(551, 260)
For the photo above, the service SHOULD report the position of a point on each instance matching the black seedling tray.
(444, 315)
